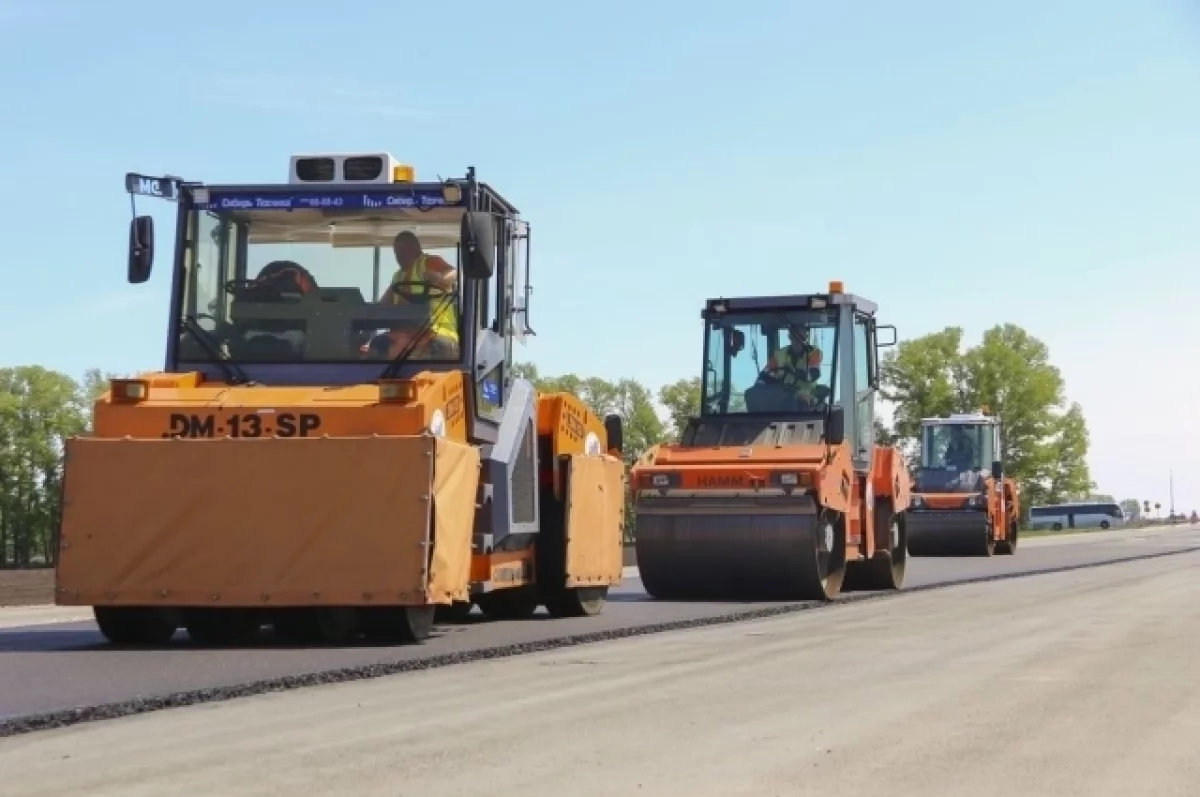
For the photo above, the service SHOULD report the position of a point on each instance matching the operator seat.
(278, 282)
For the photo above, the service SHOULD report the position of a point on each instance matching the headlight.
(661, 480)
(789, 479)
(916, 503)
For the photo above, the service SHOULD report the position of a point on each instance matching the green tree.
(95, 382)
(39, 409)
(884, 435)
(1045, 441)
(1132, 508)
(682, 400)
(923, 378)
(626, 398)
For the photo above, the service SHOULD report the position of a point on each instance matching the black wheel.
(136, 625)
(516, 603)
(577, 602)
(1008, 546)
(336, 625)
(296, 625)
(398, 624)
(885, 570)
(1058, 527)
(223, 626)
(453, 614)
(987, 546)
(1104, 524)
(823, 564)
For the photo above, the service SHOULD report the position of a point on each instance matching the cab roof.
(809, 301)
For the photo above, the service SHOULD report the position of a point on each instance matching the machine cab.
(956, 452)
(790, 369)
(350, 273)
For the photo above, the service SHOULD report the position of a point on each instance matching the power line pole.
(1171, 476)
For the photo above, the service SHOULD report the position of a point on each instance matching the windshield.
(956, 447)
(319, 286)
(769, 362)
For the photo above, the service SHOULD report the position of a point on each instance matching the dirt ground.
(26, 587)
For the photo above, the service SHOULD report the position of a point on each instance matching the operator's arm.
(774, 360)
(440, 273)
(389, 290)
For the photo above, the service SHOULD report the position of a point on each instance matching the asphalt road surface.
(1071, 683)
(59, 668)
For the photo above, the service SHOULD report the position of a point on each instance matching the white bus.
(1082, 515)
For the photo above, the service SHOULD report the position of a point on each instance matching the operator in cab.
(424, 278)
(793, 365)
(960, 451)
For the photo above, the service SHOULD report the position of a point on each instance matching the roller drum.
(949, 533)
(738, 554)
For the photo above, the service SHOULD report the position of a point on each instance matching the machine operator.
(417, 272)
(795, 365)
(960, 451)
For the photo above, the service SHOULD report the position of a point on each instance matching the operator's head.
(407, 248)
(797, 335)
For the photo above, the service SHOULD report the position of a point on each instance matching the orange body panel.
(805, 455)
(1004, 507)
(890, 477)
(180, 405)
(151, 522)
(826, 472)
(567, 422)
(570, 428)
(505, 568)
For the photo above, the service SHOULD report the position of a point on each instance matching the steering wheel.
(251, 289)
(821, 393)
(428, 294)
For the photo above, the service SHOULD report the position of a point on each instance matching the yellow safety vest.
(794, 368)
(445, 323)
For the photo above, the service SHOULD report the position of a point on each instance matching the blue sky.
(958, 163)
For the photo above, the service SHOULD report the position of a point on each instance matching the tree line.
(1045, 437)
(39, 410)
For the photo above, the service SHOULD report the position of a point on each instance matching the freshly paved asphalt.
(64, 666)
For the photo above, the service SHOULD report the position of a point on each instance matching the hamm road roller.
(777, 489)
(958, 508)
(337, 444)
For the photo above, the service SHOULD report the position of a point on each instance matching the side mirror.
(835, 429)
(478, 236)
(879, 339)
(997, 470)
(615, 433)
(141, 249)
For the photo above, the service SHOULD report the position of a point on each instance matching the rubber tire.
(825, 587)
(885, 570)
(136, 625)
(223, 627)
(295, 625)
(1008, 546)
(988, 548)
(399, 624)
(453, 614)
(515, 603)
(577, 602)
(1104, 524)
